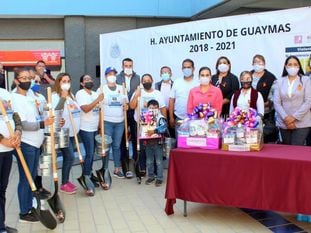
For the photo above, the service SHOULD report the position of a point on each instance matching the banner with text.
(274, 34)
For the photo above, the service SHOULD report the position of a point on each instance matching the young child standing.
(153, 146)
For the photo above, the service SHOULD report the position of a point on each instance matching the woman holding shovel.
(114, 116)
(88, 101)
(7, 145)
(32, 137)
(62, 97)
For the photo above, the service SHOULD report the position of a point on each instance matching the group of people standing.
(284, 103)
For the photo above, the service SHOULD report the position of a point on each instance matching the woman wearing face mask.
(61, 99)
(263, 81)
(205, 93)
(114, 117)
(292, 103)
(88, 101)
(247, 97)
(24, 103)
(146, 94)
(226, 81)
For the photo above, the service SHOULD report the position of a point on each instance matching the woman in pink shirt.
(205, 93)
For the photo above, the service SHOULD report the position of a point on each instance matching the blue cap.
(109, 69)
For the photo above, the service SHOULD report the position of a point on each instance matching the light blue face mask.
(165, 76)
(187, 72)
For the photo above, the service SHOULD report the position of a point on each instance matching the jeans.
(68, 158)
(5, 169)
(154, 153)
(115, 130)
(25, 196)
(294, 137)
(88, 140)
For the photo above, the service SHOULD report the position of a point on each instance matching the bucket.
(58, 115)
(108, 141)
(63, 138)
(169, 143)
(45, 164)
(47, 146)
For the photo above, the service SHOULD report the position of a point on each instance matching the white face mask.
(128, 71)
(258, 68)
(205, 80)
(65, 86)
(111, 79)
(223, 68)
(292, 71)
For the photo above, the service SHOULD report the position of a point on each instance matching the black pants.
(5, 169)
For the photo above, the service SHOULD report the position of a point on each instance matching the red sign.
(30, 57)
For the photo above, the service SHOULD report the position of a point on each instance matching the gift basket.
(242, 131)
(200, 129)
(148, 121)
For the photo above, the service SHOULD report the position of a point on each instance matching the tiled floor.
(128, 207)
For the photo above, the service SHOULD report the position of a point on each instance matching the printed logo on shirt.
(114, 100)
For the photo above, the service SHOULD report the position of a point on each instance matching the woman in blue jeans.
(88, 101)
(23, 102)
(62, 99)
(114, 117)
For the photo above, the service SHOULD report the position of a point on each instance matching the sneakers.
(44, 194)
(10, 229)
(72, 185)
(149, 181)
(67, 188)
(29, 217)
(118, 174)
(129, 174)
(158, 183)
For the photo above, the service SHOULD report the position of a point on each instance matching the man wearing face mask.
(131, 80)
(247, 97)
(180, 92)
(165, 86)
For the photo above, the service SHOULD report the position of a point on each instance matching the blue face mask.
(187, 72)
(165, 76)
(36, 88)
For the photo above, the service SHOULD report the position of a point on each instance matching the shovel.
(103, 174)
(44, 216)
(83, 180)
(125, 162)
(55, 202)
(137, 167)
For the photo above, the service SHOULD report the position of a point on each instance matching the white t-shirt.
(113, 104)
(165, 91)
(75, 111)
(145, 97)
(26, 107)
(89, 121)
(6, 101)
(180, 92)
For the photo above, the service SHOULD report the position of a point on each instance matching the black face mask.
(246, 85)
(25, 86)
(89, 85)
(147, 86)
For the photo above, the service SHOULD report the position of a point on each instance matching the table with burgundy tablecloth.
(277, 178)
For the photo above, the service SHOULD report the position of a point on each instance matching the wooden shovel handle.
(52, 131)
(18, 149)
(138, 123)
(102, 125)
(125, 117)
(73, 126)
